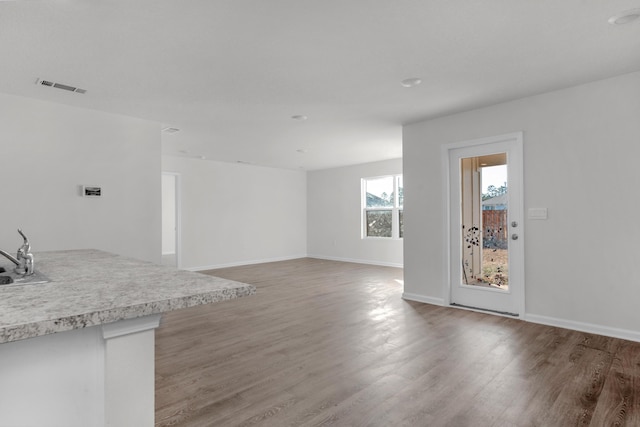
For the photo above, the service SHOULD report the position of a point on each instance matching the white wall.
(49, 149)
(335, 212)
(235, 214)
(581, 151)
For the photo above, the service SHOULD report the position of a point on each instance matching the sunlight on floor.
(381, 313)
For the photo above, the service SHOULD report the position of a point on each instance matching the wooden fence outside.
(494, 229)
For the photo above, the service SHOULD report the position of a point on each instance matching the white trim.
(358, 261)
(130, 326)
(519, 275)
(486, 140)
(288, 258)
(592, 328)
(446, 226)
(178, 220)
(573, 325)
(544, 320)
(129, 373)
(178, 201)
(395, 209)
(241, 263)
(421, 298)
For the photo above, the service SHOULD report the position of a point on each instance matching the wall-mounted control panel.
(91, 191)
(537, 213)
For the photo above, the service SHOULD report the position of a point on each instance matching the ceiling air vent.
(49, 83)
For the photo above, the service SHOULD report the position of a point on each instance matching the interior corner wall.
(335, 215)
(235, 214)
(581, 151)
(49, 150)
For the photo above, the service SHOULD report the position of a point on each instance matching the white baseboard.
(358, 261)
(422, 298)
(241, 263)
(287, 258)
(592, 328)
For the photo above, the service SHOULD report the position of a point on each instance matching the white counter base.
(100, 376)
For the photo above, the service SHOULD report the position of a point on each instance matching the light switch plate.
(537, 213)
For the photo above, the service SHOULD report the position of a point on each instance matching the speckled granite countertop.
(91, 287)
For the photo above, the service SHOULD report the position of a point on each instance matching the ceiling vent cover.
(49, 83)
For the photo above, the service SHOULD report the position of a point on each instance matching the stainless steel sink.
(15, 279)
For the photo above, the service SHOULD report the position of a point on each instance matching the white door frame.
(517, 202)
(178, 194)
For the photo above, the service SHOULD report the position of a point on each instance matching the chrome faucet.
(9, 257)
(24, 258)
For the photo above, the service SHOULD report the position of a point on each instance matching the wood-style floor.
(330, 343)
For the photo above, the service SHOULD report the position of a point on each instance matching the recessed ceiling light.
(170, 130)
(301, 151)
(625, 17)
(299, 117)
(411, 82)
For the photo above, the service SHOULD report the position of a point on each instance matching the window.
(382, 202)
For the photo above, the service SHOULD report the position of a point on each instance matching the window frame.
(395, 209)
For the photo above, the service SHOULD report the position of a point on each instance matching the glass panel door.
(486, 253)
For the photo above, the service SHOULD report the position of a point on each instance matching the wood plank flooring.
(330, 343)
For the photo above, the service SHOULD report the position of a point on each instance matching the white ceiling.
(231, 73)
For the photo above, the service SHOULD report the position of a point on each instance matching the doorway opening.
(171, 219)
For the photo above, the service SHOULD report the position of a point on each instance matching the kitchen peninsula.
(79, 350)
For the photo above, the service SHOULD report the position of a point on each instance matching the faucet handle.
(26, 247)
(26, 241)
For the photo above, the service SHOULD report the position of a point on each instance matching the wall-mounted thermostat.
(91, 191)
